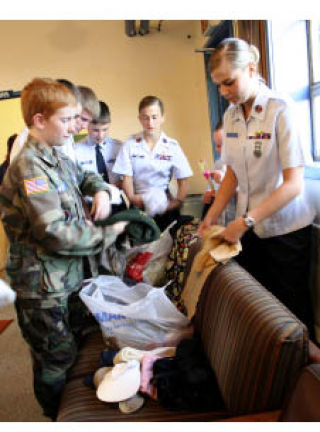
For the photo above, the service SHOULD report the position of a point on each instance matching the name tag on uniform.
(138, 156)
(163, 157)
(88, 162)
(232, 134)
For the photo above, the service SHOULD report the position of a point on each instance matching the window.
(314, 56)
(289, 70)
(294, 64)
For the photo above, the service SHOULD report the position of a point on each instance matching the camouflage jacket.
(44, 218)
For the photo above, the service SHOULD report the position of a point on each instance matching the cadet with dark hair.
(148, 161)
(97, 152)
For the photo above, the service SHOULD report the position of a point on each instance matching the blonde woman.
(264, 158)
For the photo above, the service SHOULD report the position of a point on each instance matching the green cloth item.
(141, 228)
(79, 137)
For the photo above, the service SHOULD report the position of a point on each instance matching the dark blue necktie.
(101, 165)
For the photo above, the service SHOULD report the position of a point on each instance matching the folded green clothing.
(140, 229)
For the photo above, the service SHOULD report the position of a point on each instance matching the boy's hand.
(137, 201)
(101, 206)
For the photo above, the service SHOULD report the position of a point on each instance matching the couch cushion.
(315, 278)
(303, 405)
(79, 402)
(255, 345)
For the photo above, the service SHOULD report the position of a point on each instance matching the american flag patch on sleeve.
(36, 185)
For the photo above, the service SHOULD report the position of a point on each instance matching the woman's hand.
(207, 197)
(217, 176)
(234, 230)
(206, 223)
(101, 206)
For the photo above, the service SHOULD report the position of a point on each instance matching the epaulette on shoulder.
(170, 141)
(282, 97)
(116, 141)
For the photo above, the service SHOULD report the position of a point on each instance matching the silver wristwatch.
(249, 221)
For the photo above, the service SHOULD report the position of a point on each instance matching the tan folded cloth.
(214, 250)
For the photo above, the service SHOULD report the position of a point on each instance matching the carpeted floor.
(17, 401)
(4, 324)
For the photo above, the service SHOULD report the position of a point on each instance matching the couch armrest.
(304, 401)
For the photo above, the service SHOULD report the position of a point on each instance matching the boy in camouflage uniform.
(44, 219)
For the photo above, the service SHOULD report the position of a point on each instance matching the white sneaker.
(128, 353)
(7, 295)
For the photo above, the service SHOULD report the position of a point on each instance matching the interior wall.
(121, 70)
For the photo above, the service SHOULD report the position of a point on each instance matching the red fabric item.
(137, 264)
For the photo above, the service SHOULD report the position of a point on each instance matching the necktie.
(101, 165)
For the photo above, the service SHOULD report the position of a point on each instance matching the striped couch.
(255, 345)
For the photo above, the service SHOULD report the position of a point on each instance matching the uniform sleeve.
(288, 138)
(51, 224)
(91, 183)
(123, 165)
(116, 147)
(224, 150)
(181, 168)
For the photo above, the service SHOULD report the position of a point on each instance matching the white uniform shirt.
(258, 150)
(85, 151)
(68, 148)
(152, 168)
(18, 143)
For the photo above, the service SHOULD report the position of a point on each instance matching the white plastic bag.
(139, 316)
(154, 270)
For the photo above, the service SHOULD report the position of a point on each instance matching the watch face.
(249, 222)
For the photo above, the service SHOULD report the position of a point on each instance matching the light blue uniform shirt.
(85, 151)
(258, 150)
(152, 168)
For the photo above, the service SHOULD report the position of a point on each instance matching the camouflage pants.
(53, 332)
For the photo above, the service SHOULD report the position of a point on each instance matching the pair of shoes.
(143, 32)
(131, 405)
(128, 353)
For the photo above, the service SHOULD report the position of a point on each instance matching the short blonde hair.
(44, 96)
(237, 51)
(89, 101)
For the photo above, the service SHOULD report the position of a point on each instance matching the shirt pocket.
(59, 274)
(24, 270)
(68, 200)
(139, 162)
(87, 165)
